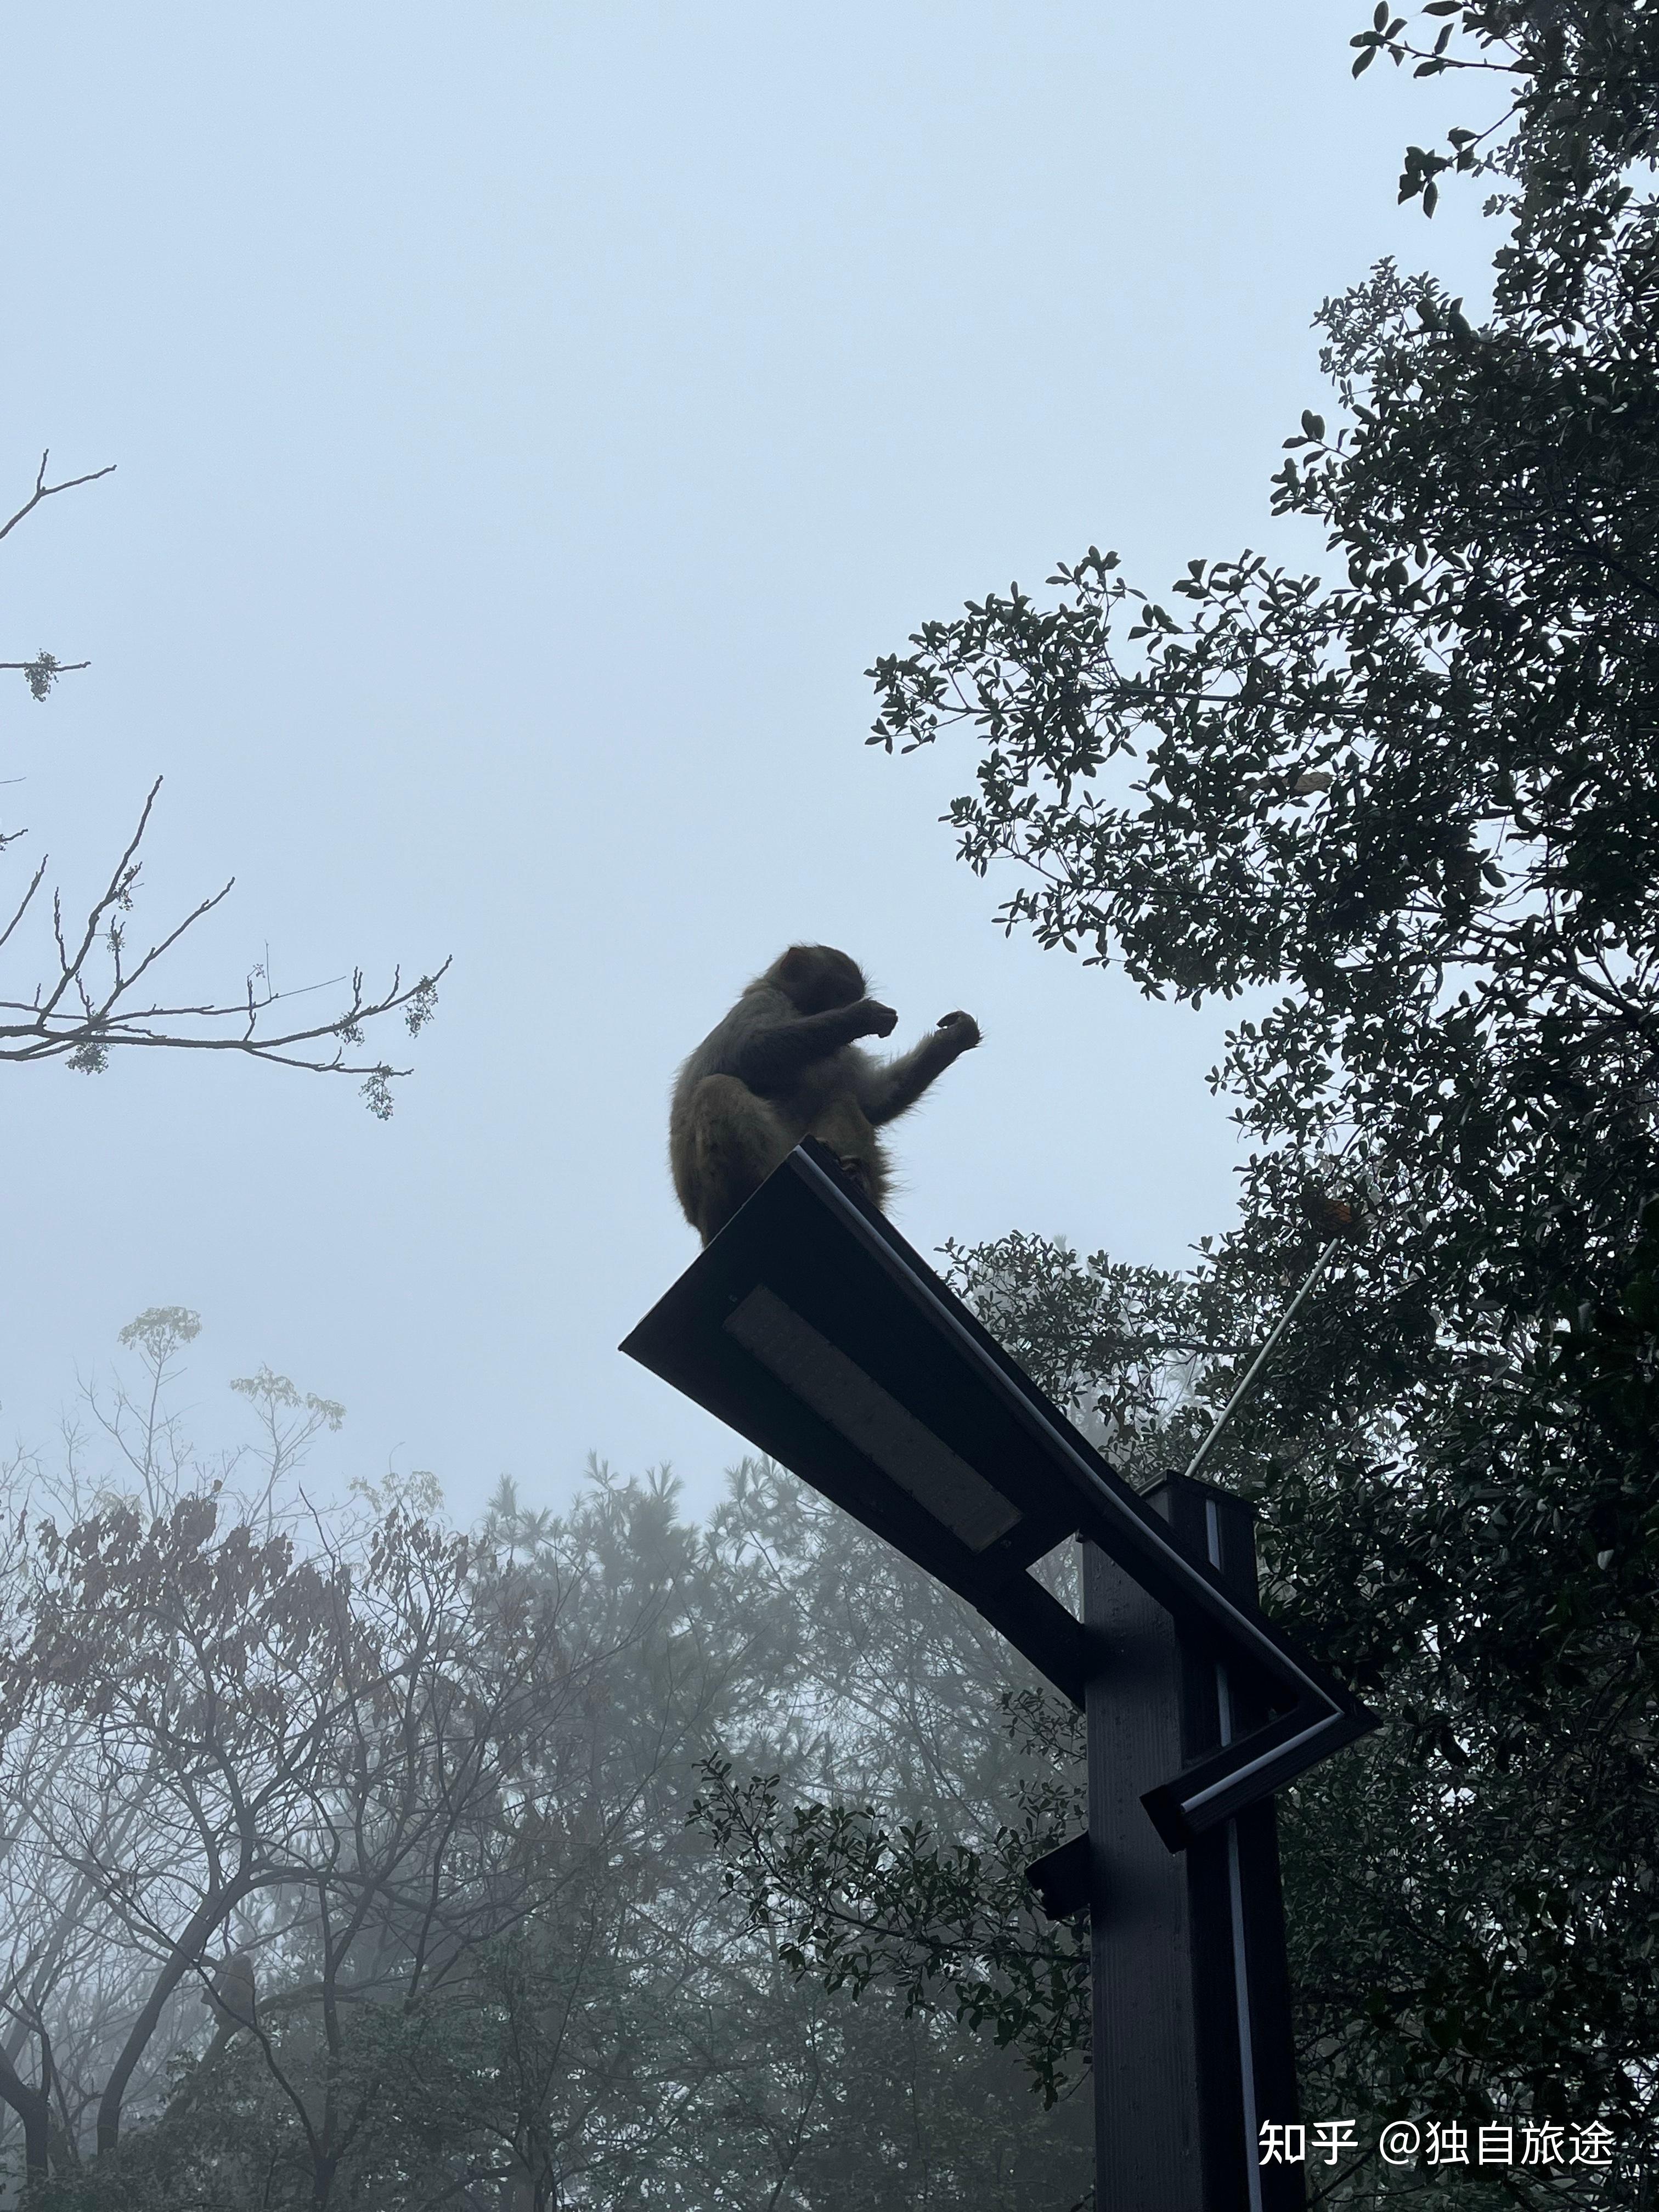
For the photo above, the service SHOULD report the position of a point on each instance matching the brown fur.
(785, 1063)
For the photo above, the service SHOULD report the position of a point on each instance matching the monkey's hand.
(874, 1018)
(961, 1031)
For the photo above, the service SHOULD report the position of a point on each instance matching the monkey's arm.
(894, 1085)
(770, 1057)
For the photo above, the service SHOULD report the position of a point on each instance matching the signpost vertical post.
(1191, 2001)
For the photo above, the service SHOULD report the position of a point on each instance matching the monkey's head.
(816, 977)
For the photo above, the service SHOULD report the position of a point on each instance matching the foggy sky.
(530, 421)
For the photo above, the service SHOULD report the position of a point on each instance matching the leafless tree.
(88, 990)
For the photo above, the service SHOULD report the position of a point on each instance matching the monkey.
(785, 1063)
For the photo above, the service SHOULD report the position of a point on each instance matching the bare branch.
(44, 490)
(43, 671)
(26, 901)
(173, 936)
(81, 1011)
(119, 883)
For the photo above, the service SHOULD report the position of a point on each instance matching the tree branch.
(75, 1016)
(43, 490)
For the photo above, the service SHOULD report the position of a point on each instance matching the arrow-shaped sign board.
(813, 1329)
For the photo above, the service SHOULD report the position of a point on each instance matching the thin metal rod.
(1260, 1361)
